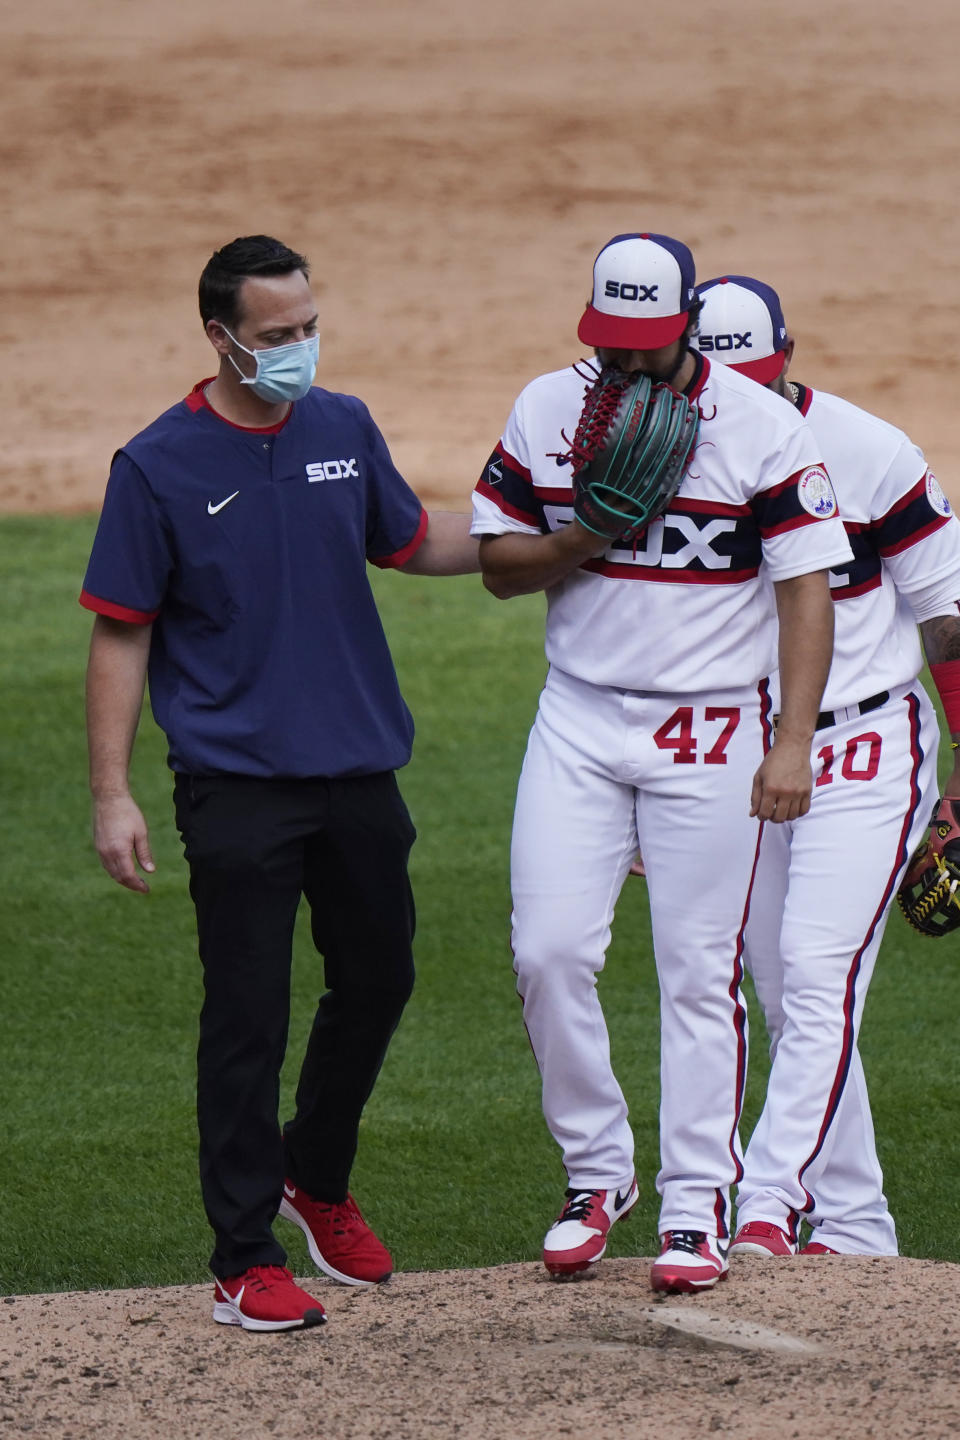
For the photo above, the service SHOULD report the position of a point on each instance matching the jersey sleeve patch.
(816, 493)
(922, 511)
(935, 495)
(804, 498)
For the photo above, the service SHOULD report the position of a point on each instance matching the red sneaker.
(689, 1260)
(759, 1237)
(340, 1241)
(578, 1236)
(265, 1298)
(816, 1248)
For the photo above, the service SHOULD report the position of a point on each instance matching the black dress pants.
(254, 847)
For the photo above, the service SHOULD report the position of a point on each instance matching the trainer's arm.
(116, 677)
(521, 564)
(448, 548)
(784, 781)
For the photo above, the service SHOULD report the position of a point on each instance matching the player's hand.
(638, 868)
(122, 841)
(783, 784)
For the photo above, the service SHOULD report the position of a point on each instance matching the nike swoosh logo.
(289, 1191)
(722, 1249)
(559, 460)
(621, 1200)
(214, 509)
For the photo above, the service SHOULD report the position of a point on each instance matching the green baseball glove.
(632, 446)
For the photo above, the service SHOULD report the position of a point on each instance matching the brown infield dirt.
(820, 1347)
(451, 169)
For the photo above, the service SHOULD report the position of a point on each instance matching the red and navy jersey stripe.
(778, 510)
(510, 486)
(695, 542)
(910, 520)
(864, 572)
(905, 524)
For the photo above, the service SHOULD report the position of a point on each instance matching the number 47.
(677, 734)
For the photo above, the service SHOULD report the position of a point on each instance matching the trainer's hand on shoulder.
(783, 784)
(122, 840)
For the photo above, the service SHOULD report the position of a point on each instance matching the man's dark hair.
(693, 317)
(227, 269)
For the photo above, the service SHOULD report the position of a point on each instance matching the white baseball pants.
(823, 892)
(607, 771)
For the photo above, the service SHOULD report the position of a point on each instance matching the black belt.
(826, 718)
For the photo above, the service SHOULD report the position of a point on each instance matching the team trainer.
(230, 565)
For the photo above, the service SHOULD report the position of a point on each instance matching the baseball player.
(656, 725)
(825, 881)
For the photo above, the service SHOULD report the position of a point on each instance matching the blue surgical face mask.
(284, 372)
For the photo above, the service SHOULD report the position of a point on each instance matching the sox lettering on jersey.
(332, 470)
(650, 549)
(698, 545)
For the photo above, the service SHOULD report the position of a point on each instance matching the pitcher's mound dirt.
(821, 1348)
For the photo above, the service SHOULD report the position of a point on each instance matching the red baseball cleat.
(689, 1260)
(816, 1247)
(578, 1236)
(761, 1238)
(340, 1241)
(265, 1297)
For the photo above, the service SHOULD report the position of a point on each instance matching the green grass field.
(102, 987)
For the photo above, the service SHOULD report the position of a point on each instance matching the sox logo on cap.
(643, 287)
(743, 315)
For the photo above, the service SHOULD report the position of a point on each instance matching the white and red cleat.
(816, 1247)
(578, 1236)
(689, 1260)
(265, 1297)
(759, 1237)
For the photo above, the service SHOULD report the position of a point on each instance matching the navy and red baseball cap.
(742, 325)
(643, 287)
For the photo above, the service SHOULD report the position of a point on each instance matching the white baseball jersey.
(686, 608)
(905, 542)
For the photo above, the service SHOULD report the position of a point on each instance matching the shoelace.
(688, 1240)
(578, 1204)
(341, 1218)
(265, 1277)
